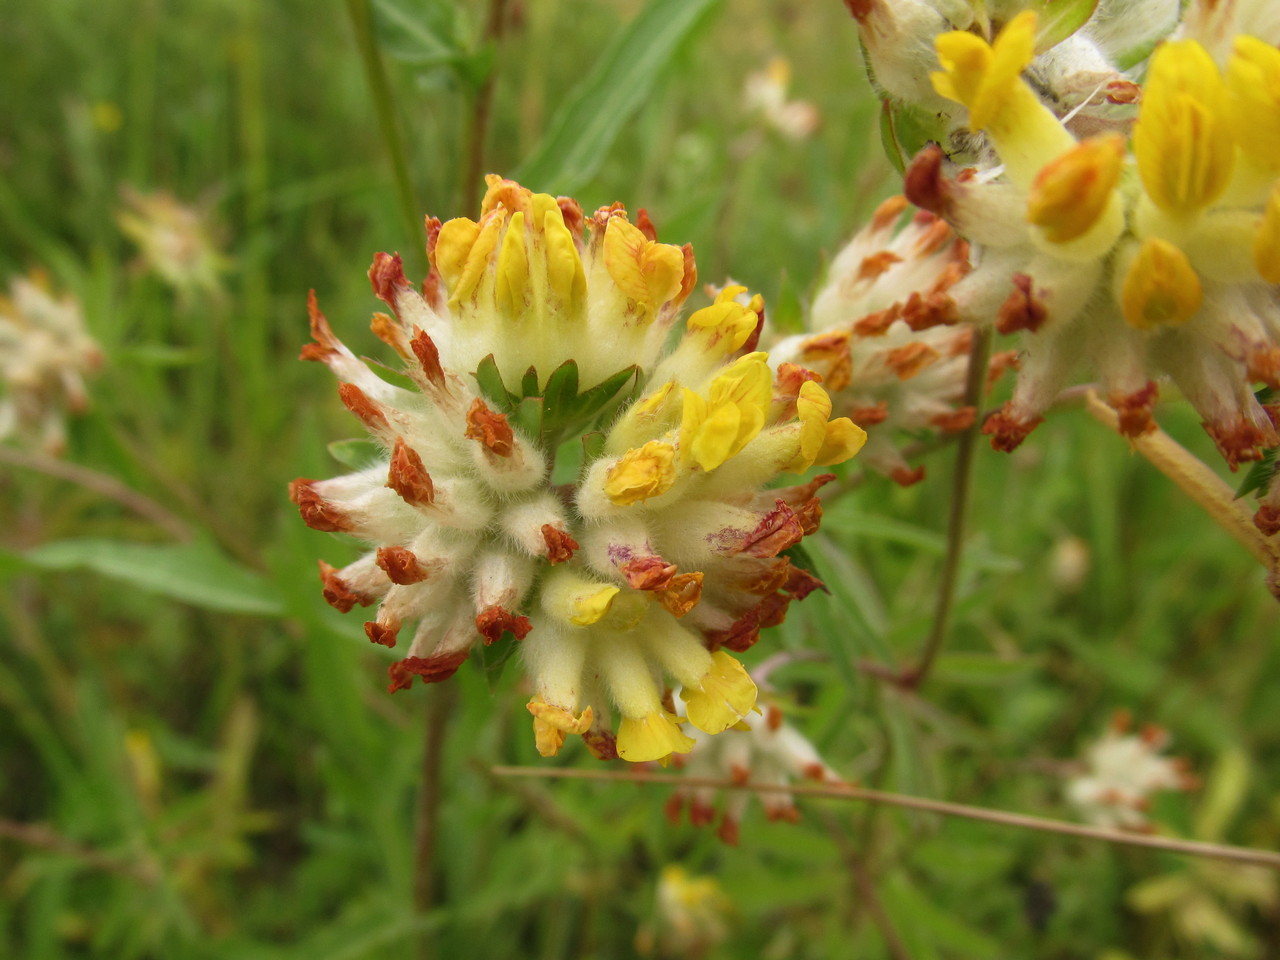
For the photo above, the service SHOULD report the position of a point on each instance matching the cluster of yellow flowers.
(561, 476)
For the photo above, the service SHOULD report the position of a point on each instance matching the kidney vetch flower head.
(885, 334)
(560, 477)
(1124, 261)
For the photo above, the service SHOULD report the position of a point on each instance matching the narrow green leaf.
(979, 669)
(587, 124)
(420, 32)
(196, 573)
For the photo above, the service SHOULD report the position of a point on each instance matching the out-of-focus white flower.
(1122, 770)
(885, 338)
(541, 335)
(175, 241)
(765, 94)
(690, 916)
(761, 749)
(45, 354)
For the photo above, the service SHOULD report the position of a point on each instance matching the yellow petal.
(1266, 242)
(551, 723)
(1253, 89)
(513, 269)
(641, 474)
(1160, 287)
(454, 243)
(1182, 140)
(1070, 193)
(478, 257)
(985, 78)
(564, 264)
(724, 697)
(843, 439)
(654, 736)
(648, 273)
(589, 608)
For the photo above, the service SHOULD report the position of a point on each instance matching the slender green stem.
(961, 484)
(865, 885)
(473, 176)
(440, 704)
(841, 791)
(361, 14)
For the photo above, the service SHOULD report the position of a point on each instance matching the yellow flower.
(716, 428)
(725, 695)
(641, 474)
(1071, 193)
(1160, 287)
(1253, 104)
(654, 736)
(1182, 140)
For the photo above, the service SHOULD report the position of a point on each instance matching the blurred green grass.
(223, 784)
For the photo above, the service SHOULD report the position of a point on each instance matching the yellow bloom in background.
(542, 330)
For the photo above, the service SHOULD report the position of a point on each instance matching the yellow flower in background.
(541, 331)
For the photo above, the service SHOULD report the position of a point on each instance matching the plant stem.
(961, 484)
(864, 882)
(361, 15)
(440, 704)
(103, 484)
(473, 176)
(1199, 848)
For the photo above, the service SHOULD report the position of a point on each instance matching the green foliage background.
(199, 758)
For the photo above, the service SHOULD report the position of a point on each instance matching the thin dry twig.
(1198, 848)
(102, 484)
(42, 837)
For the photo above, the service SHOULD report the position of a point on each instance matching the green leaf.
(490, 381)
(421, 32)
(587, 124)
(1224, 792)
(561, 392)
(592, 448)
(357, 453)
(1059, 19)
(1260, 474)
(196, 573)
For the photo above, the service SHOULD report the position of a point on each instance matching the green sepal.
(560, 394)
(1260, 474)
(801, 558)
(357, 453)
(588, 405)
(490, 382)
(592, 448)
(1058, 19)
(529, 383)
(905, 130)
(527, 415)
(492, 658)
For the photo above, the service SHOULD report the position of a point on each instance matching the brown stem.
(440, 703)
(38, 835)
(1200, 848)
(473, 178)
(866, 887)
(962, 482)
(103, 484)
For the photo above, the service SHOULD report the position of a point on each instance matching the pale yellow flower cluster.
(559, 476)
